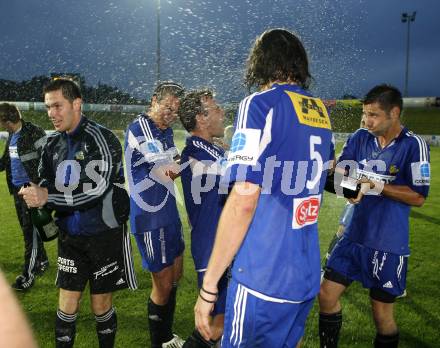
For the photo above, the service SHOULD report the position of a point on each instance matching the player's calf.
(106, 326)
(65, 329)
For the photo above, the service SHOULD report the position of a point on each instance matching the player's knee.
(101, 303)
(327, 300)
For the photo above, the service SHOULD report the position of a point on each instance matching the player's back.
(282, 143)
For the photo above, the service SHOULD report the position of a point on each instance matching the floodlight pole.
(407, 18)
(158, 42)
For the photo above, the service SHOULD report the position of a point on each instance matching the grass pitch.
(418, 314)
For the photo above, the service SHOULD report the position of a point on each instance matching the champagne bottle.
(42, 219)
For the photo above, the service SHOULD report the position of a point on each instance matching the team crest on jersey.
(79, 156)
(244, 147)
(305, 211)
(310, 111)
(421, 173)
(393, 169)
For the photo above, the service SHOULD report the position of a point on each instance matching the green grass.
(418, 314)
(344, 119)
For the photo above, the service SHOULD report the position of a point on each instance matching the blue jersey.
(202, 164)
(379, 222)
(152, 203)
(282, 142)
(18, 173)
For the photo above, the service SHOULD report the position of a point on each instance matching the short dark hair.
(386, 96)
(9, 112)
(69, 88)
(191, 106)
(277, 54)
(168, 88)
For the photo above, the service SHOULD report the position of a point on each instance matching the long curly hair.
(277, 54)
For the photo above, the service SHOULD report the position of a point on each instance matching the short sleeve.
(418, 170)
(251, 137)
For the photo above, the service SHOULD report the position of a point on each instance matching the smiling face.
(164, 111)
(64, 114)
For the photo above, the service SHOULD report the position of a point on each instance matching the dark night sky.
(352, 44)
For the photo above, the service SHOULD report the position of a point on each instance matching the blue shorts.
(254, 322)
(220, 304)
(160, 247)
(373, 268)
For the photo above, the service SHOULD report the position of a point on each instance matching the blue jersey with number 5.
(283, 143)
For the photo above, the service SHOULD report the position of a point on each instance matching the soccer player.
(393, 167)
(280, 147)
(20, 161)
(150, 157)
(82, 179)
(202, 162)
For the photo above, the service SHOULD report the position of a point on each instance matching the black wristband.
(204, 299)
(330, 186)
(208, 292)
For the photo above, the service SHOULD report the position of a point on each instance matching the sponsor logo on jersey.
(305, 211)
(245, 147)
(421, 173)
(238, 142)
(310, 111)
(386, 179)
(13, 153)
(152, 147)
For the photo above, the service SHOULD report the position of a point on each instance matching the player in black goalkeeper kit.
(82, 180)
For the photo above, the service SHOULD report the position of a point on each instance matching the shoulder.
(142, 126)
(256, 107)
(135, 124)
(202, 150)
(96, 129)
(53, 138)
(415, 142)
(361, 134)
(33, 127)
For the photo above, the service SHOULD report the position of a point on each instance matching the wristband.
(208, 292)
(204, 299)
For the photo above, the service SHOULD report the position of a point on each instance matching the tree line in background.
(31, 91)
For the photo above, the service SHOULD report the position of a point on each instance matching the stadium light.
(407, 18)
(158, 42)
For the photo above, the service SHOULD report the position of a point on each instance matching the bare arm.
(404, 194)
(399, 193)
(233, 225)
(14, 328)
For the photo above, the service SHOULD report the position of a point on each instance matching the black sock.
(386, 341)
(329, 327)
(65, 329)
(158, 323)
(197, 341)
(106, 326)
(171, 308)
